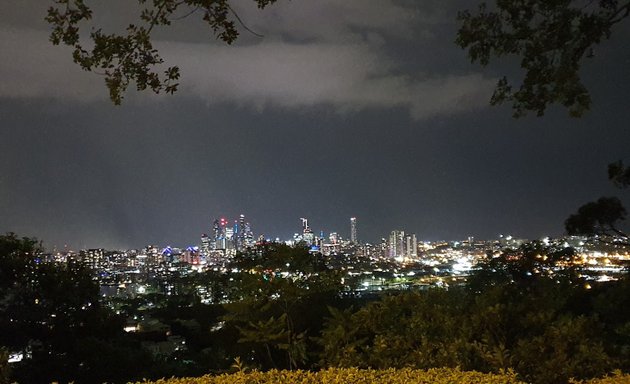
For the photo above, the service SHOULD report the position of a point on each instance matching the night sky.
(345, 108)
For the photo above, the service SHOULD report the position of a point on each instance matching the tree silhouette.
(619, 174)
(280, 295)
(5, 369)
(551, 39)
(47, 311)
(603, 218)
(130, 57)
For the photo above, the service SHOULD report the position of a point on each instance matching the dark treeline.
(527, 309)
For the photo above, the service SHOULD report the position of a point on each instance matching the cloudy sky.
(346, 108)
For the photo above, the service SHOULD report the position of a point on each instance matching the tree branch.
(241, 22)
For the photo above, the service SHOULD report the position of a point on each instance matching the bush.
(616, 378)
(353, 376)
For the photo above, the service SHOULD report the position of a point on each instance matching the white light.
(16, 357)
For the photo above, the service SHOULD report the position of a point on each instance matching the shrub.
(352, 376)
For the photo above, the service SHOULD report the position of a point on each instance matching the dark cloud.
(342, 63)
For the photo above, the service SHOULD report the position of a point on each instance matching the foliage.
(353, 375)
(519, 312)
(5, 369)
(619, 174)
(616, 378)
(603, 218)
(51, 313)
(413, 329)
(551, 38)
(130, 57)
(571, 348)
(280, 300)
(526, 266)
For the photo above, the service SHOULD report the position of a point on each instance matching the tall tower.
(216, 235)
(307, 233)
(411, 249)
(396, 244)
(353, 230)
(205, 244)
(248, 235)
(240, 233)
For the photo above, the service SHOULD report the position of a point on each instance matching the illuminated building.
(353, 230)
(411, 250)
(307, 234)
(248, 235)
(396, 244)
(205, 245)
(93, 258)
(221, 234)
(239, 230)
(216, 232)
(229, 240)
(401, 246)
(191, 255)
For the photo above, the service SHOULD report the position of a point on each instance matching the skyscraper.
(402, 246)
(216, 235)
(353, 230)
(205, 244)
(307, 233)
(248, 235)
(396, 244)
(240, 233)
(411, 249)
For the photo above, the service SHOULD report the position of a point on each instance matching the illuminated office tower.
(229, 234)
(240, 233)
(230, 241)
(221, 234)
(353, 230)
(205, 245)
(248, 235)
(216, 234)
(307, 233)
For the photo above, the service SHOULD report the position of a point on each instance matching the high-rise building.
(234, 237)
(411, 249)
(205, 244)
(216, 234)
(248, 235)
(401, 246)
(414, 244)
(220, 233)
(353, 230)
(307, 233)
(396, 244)
(240, 233)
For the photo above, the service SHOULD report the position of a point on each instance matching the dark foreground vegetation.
(520, 311)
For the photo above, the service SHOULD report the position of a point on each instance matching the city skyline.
(346, 109)
(224, 234)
